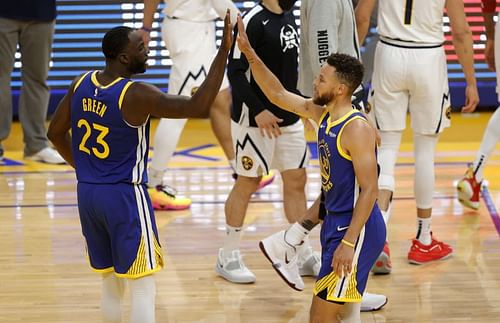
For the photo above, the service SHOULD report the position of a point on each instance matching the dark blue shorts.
(119, 228)
(368, 247)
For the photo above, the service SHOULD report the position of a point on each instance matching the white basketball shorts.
(192, 49)
(256, 155)
(414, 80)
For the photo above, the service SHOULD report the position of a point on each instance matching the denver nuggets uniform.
(326, 27)
(276, 40)
(340, 191)
(110, 161)
(410, 67)
(188, 31)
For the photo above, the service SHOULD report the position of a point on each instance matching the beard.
(137, 66)
(323, 99)
(286, 5)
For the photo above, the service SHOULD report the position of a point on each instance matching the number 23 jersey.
(105, 147)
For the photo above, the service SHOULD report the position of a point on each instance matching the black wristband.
(146, 29)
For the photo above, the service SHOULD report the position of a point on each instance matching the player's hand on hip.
(227, 33)
(268, 124)
(471, 98)
(342, 260)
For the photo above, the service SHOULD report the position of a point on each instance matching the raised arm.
(270, 84)
(488, 9)
(142, 100)
(363, 14)
(150, 7)
(358, 140)
(462, 41)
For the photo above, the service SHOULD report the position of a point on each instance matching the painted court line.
(491, 208)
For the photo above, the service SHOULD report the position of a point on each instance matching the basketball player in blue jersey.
(353, 230)
(108, 115)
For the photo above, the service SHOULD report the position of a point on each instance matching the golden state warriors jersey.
(418, 21)
(338, 181)
(106, 148)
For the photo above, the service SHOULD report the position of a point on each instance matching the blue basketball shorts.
(119, 229)
(368, 247)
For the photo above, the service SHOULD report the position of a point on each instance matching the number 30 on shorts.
(101, 153)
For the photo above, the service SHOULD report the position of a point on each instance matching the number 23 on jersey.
(101, 148)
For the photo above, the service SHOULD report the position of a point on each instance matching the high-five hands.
(227, 34)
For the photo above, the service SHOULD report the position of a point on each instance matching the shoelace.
(169, 190)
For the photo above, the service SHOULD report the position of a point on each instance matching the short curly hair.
(115, 41)
(348, 68)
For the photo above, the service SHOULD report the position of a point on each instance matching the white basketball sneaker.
(283, 257)
(233, 269)
(47, 155)
(372, 302)
(309, 261)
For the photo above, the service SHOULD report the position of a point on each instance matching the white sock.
(142, 304)
(490, 138)
(232, 163)
(296, 234)
(155, 177)
(232, 240)
(424, 230)
(112, 293)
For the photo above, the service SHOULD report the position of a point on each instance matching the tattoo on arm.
(308, 224)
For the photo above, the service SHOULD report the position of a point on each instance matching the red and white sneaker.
(383, 265)
(469, 190)
(420, 254)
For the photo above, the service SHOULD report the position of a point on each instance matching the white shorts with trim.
(192, 49)
(257, 155)
(414, 80)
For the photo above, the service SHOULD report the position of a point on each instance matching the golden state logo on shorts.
(247, 162)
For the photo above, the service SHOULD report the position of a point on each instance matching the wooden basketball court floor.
(44, 276)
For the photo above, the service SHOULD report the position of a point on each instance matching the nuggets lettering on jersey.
(323, 50)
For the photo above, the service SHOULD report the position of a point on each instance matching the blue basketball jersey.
(338, 180)
(106, 148)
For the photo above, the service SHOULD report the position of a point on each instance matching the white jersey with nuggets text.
(412, 20)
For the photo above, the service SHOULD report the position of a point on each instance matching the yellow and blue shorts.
(368, 247)
(119, 228)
